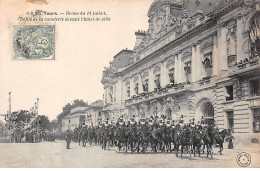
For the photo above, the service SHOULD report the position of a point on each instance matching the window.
(128, 91)
(99, 113)
(229, 93)
(254, 87)
(187, 69)
(157, 81)
(111, 94)
(254, 35)
(230, 117)
(208, 113)
(115, 93)
(256, 120)
(171, 75)
(145, 85)
(169, 114)
(207, 64)
(136, 88)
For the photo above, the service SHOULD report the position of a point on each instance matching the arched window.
(208, 113)
(169, 114)
(254, 35)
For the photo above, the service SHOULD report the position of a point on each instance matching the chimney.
(139, 37)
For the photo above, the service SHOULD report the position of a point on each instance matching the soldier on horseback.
(192, 123)
(181, 122)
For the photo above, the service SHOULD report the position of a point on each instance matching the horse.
(133, 138)
(186, 139)
(121, 135)
(220, 137)
(177, 138)
(197, 137)
(155, 137)
(144, 138)
(84, 136)
(208, 142)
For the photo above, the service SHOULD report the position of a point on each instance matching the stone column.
(198, 62)
(132, 86)
(215, 56)
(140, 84)
(193, 64)
(151, 80)
(222, 48)
(176, 68)
(180, 68)
(164, 74)
(240, 53)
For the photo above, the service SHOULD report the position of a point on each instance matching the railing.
(158, 92)
(228, 105)
(254, 101)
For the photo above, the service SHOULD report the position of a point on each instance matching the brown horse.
(220, 137)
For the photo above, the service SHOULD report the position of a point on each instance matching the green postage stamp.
(34, 42)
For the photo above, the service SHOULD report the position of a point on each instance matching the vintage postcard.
(129, 84)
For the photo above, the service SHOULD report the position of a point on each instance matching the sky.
(83, 49)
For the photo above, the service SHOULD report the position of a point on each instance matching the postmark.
(34, 42)
(243, 159)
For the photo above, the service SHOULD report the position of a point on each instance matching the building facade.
(88, 115)
(197, 58)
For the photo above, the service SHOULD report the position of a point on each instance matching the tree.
(44, 122)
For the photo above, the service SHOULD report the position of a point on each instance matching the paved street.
(54, 154)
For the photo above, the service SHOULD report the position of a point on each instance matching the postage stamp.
(34, 42)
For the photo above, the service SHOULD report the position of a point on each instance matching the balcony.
(158, 93)
(243, 67)
(204, 80)
(254, 101)
(228, 105)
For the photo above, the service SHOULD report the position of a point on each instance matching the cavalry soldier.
(181, 122)
(203, 122)
(161, 123)
(168, 123)
(119, 119)
(216, 127)
(106, 123)
(121, 122)
(192, 124)
(151, 121)
(132, 121)
(142, 121)
(173, 125)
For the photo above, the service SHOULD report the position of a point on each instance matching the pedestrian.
(68, 138)
(230, 139)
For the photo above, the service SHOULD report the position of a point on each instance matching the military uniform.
(181, 122)
(192, 123)
(68, 138)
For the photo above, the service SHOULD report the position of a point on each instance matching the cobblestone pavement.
(54, 154)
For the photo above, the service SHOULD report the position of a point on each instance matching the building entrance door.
(208, 113)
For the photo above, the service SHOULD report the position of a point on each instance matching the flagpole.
(10, 116)
(37, 121)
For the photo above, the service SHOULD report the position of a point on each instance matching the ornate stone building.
(197, 58)
(89, 115)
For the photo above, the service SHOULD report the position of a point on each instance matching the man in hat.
(203, 122)
(151, 120)
(181, 122)
(168, 123)
(192, 123)
(121, 121)
(68, 138)
(106, 123)
(173, 125)
(132, 120)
